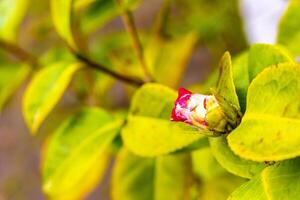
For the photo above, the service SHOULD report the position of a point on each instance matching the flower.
(195, 109)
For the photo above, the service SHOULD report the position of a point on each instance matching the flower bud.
(202, 111)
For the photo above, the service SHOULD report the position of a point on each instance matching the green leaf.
(78, 4)
(139, 178)
(169, 62)
(231, 162)
(12, 13)
(289, 28)
(214, 181)
(226, 93)
(148, 136)
(241, 77)
(269, 128)
(198, 144)
(100, 12)
(249, 64)
(225, 87)
(149, 131)
(11, 77)
(205, 165)
(218, 24)
(130, 4)
(277, 182)
(262, 56)
(220, 187)
(76, 157)
(62, 15)
(45, 90)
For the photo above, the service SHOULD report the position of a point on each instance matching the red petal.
(182, 91)
(183, 96)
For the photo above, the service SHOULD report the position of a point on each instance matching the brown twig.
(129, 24)
(23, 55)
(18, 52)
(121, 77)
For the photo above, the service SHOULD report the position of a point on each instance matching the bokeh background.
(20, 152)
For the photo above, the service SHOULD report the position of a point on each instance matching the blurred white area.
(261, 19)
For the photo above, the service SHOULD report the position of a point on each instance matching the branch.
(18, 52)
(23, 55)
(129, 24)
(126, 79)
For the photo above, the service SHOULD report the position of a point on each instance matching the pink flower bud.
(193, 108)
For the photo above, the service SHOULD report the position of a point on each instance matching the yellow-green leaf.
(241, 77)
(262, 56)
(45, 90)
(249, 64)
(11, 77)
(12, 13)
(269, 128)
(226, 92)
(148, 136)
(220, 187)
(231, 162)
(168, 62)
(226, 87)
(214, 181)
(100, 12)
(289, 28)
(277, 182)
(140, 178)
(76, 157)
(205, 165)
(62, 16)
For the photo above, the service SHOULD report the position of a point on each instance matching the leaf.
(214, 181)
(269, 128)
(241, 77)
(277, 182)
(231, 162)
(249, 64)
(169, 62)
(11, 77)
(217, 23)
(289, 28)
(12, 13)
(78, 4)
(147, 136)
(226, 93)
(205, 165)
(140, 178)
(76, 157)
(226, 88)
(45, 90)
(220, 187)
(130, 4)
(100, 12)
(262, 56)
(149, 131)
(62, 16)
(199, 144)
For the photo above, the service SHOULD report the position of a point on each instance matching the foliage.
(257, 157)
